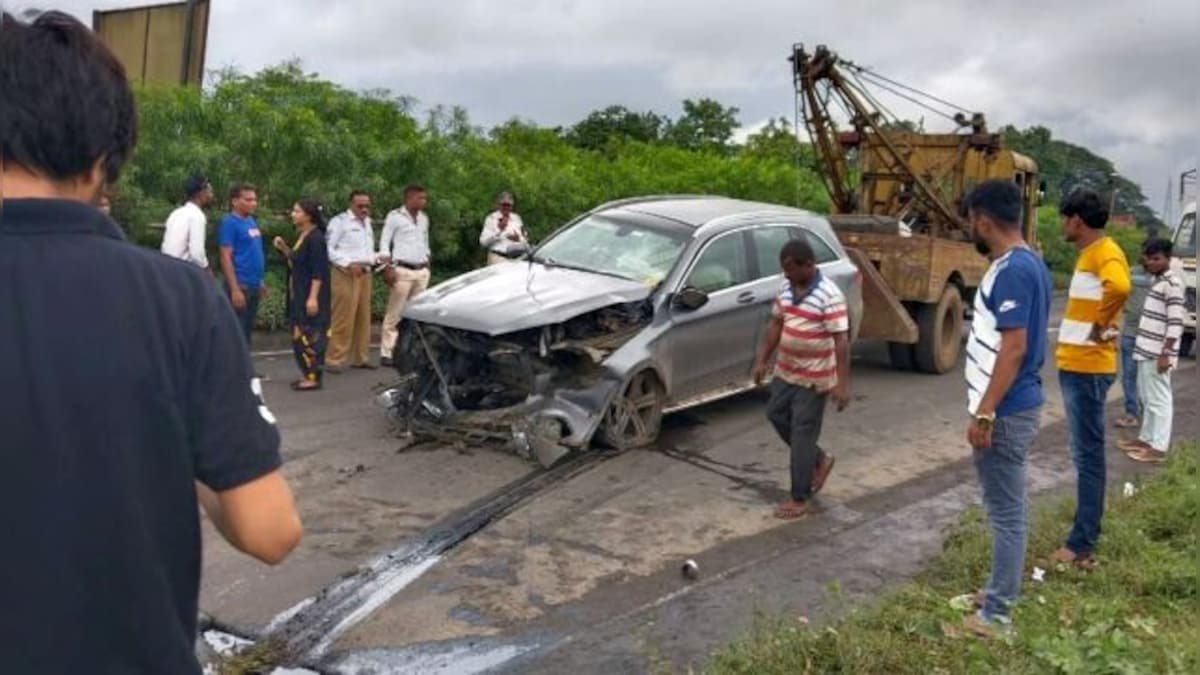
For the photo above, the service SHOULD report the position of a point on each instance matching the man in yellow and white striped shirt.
(1087, 358)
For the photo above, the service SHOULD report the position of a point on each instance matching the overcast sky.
(1121, 77)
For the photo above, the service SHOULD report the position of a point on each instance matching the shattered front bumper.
(530, 399)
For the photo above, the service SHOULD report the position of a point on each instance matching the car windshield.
(598, 244)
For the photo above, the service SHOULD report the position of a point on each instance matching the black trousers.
(246, 317)
(797, 413)
(308, 346)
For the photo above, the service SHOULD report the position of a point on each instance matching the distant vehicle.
(637, 308)
(1183, 261)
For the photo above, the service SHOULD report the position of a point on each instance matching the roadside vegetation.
(294, 134)
(1136, 613)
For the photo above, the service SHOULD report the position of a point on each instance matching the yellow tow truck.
(897, 196)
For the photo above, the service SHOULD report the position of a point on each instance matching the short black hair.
(797, 250)
(195, 184)
(998, 199)
(239, 188)
(66, 102)
(1086, 204)
(411, 188)
(357, 193)
(1157, 245)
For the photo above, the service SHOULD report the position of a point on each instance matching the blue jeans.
(1083, 396)
(1001, 470)
(1129, 377)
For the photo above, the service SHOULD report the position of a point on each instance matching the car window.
(768, 242)
(821, 250)
(721, 265)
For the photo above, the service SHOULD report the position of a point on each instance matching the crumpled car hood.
(514, 296)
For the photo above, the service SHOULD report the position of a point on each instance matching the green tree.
(601, 126)
(777, 140)
(705, 125)
(1065, 166)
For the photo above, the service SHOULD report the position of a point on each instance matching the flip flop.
(301, 385)
(1066, 556)
(1147, 455)
(791, 510)
(1130, 445)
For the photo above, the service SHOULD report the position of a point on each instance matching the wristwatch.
(985, 421)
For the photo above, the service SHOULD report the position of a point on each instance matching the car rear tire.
(634, 418)
(940, 329)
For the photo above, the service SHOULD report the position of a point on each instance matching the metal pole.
(185, 67)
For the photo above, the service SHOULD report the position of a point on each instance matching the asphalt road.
(584, 576)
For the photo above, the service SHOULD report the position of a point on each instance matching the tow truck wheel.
(902, 356)
(940, 329)
(635, 416)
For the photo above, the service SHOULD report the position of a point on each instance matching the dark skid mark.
(768, 491)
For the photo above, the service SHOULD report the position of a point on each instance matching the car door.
(713, 346)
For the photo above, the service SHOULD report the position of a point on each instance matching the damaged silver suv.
(635, 309)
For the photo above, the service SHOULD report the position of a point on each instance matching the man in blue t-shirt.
(1005, 353)
(242, 260)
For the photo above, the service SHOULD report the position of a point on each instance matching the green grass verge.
(1139, 612)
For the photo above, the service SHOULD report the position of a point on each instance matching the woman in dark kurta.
(308, 303)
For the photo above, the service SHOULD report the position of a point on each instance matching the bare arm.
(258, 518)
(1116, 283)
(1004, 373)
(1008, 363)
(769, 345)
(227, 267)
(841, 352)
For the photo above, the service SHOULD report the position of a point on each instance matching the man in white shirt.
(187, 225)
(502, 230)
(351, 255)
(404, 245)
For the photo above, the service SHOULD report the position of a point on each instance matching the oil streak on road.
(306, 631)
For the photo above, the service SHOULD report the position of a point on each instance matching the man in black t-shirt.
(126, 393)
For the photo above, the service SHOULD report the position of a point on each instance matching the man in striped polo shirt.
(1005, 353)
(1156, 352)
(810, 329)
(1087, 359)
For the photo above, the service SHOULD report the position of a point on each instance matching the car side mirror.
(689, 298)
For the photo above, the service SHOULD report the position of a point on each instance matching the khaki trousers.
(495, 258)
(350, 329)
(409, 284)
